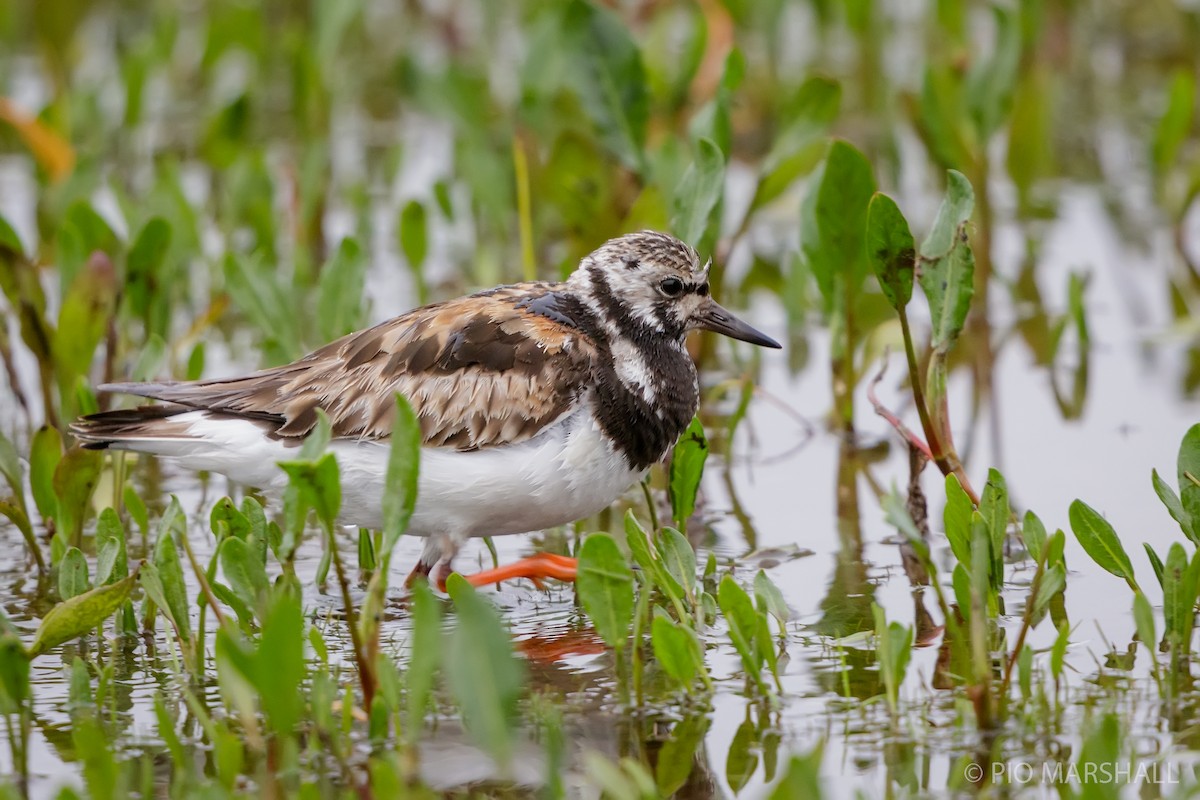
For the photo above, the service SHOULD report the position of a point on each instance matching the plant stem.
(366, 676)
(918, 388)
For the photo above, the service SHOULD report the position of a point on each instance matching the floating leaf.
(605, 586)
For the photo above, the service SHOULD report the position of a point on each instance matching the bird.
(540, 403)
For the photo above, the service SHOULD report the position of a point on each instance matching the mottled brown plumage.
(478, 371)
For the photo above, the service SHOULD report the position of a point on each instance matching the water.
(778, 496)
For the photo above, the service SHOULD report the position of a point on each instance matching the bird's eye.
(671, 287)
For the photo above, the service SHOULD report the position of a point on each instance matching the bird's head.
(651, 284)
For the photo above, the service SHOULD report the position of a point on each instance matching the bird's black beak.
(712, 317)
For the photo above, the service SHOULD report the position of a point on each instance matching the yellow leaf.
(50, 149)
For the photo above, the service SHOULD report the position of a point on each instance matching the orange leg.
(536, 568)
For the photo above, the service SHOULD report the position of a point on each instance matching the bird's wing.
(480, 371)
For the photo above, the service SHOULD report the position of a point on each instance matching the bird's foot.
(536, 568)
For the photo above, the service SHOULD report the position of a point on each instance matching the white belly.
(567, 472)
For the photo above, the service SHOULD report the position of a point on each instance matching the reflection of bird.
(539, 403)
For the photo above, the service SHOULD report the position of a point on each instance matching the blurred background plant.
(194, 189)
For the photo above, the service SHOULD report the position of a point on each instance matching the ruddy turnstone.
(540, 403)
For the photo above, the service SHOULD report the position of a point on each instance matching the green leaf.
(423, 655)
(994, 508)
(678, 558)
(340, 307)
(45, 452)
(647, 557)
(803, 777)
(1054, 580)
(1143, 618)
(676, 759)
(12, 470)
(14, 673)
(484, 675)
(412, 233)
(742, 760)
(1156, 563)
(1176, 121)
(169, 570)
(770, 599)
(80, 614)
(607, 73)
(1188, 464)
(891, 251)
(948, 272)
(743, 625)
(75, 478)
(144, 278)
(244, 571)
(1100, 541)
(1033, 533)
(402, 472)
(1179, 598)
(86, 310)
(698, 193)
(111, 560)
(677, 650)
(687, 467)
(280, 662)
(833, 223)
(318, 485)
(1058, 651)
(956, 518)
(1174, 505)
(73, 574)
(259, 293)
(605, 586)
(990, 81)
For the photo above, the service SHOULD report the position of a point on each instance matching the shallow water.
(775, 505)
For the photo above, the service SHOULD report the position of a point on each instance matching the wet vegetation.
(975, 225)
